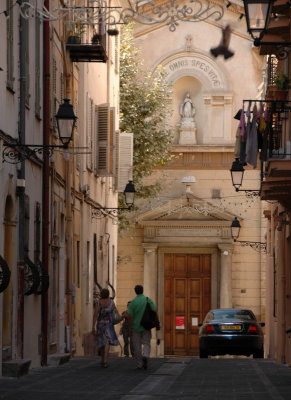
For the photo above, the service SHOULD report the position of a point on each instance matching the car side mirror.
(262, 324)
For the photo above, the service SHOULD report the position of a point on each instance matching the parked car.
(231, 331)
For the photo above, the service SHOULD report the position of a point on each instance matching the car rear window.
(233, 314)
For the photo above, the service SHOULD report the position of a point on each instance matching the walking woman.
(106, 335)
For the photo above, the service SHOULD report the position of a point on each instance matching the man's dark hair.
(138, 289)
(104, 294)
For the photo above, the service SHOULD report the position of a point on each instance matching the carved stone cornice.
(187, 229)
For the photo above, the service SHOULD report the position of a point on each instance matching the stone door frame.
(177, 239)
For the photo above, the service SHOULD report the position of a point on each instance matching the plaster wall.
(217, 88)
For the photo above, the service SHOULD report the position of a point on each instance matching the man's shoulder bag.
(150, 318)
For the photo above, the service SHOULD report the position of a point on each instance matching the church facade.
(181, 248)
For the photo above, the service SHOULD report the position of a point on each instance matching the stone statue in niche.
(187, 128)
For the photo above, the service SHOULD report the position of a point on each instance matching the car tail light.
(209, 328)
(253, 328)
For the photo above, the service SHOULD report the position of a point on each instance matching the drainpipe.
(45, 184)
(21, 193)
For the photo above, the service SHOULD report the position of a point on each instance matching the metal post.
(46, 188)
(21, 192)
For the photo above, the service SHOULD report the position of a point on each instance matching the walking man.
(141, 337)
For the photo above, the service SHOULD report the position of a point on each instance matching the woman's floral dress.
(105, 329)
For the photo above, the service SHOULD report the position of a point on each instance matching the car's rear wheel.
(259, 353)
(203, 354)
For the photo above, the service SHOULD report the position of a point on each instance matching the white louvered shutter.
(89, 107)
(112, 143)
(103, 139)
(124, 160)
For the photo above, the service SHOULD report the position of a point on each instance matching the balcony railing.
(86, 43)
(272, 69)
(275, 141)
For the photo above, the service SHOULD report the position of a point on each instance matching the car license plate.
(231, 327)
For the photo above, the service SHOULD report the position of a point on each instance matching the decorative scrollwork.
(4, 275)
(103, 212)
(143, 12)
(250, 194)
(282, 53)
(257, 246)
(14, 154)
(31, 277)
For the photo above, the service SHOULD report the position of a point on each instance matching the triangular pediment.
(184, 209)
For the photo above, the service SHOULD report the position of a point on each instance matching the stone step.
(58, 359)
(15, 368)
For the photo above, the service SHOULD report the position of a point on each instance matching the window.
(27, 75)
(37, 66)
(124, 160)
(53, 297)
(54, 95)
(62, 228)
(106, 140)
(78, 263)
(113, 266)
(88, 273)
(95, 257)
(10, 63)
(26, 224)
(89, 128)
(37, 233)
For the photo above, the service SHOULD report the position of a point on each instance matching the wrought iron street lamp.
(237, 174)
(258, 14)
(235, 231)
(14, 153)
(66, 122)
(129, 194)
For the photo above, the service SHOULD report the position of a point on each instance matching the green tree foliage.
(144, 111)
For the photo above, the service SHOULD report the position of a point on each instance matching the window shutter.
(112, 142)
(1, 153)
(103, 139)
(37, 66)
(10, 61)
(89, 110)
(124, 160)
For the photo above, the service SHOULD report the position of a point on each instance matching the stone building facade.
(181, 248)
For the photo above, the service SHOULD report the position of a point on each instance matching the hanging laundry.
(252, 141)
(243, 132)
(261, 127)
(237, 143)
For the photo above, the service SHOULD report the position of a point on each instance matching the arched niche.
(211, 93)
(191, 85)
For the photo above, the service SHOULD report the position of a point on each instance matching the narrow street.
(174, 379)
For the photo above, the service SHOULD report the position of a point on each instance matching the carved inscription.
(195, 64)
(189, 232)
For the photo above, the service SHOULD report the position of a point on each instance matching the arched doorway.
(9, 256)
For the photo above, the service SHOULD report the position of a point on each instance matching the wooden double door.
(187, 300)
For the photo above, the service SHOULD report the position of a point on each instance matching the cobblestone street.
(185, 379)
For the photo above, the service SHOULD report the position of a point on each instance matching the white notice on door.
(195, 321)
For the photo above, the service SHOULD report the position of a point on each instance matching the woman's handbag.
(116, 317)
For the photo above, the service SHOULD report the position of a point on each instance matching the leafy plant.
(77, 29)
(282, 81)
(144, 111)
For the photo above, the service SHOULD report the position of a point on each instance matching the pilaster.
(225, 275)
